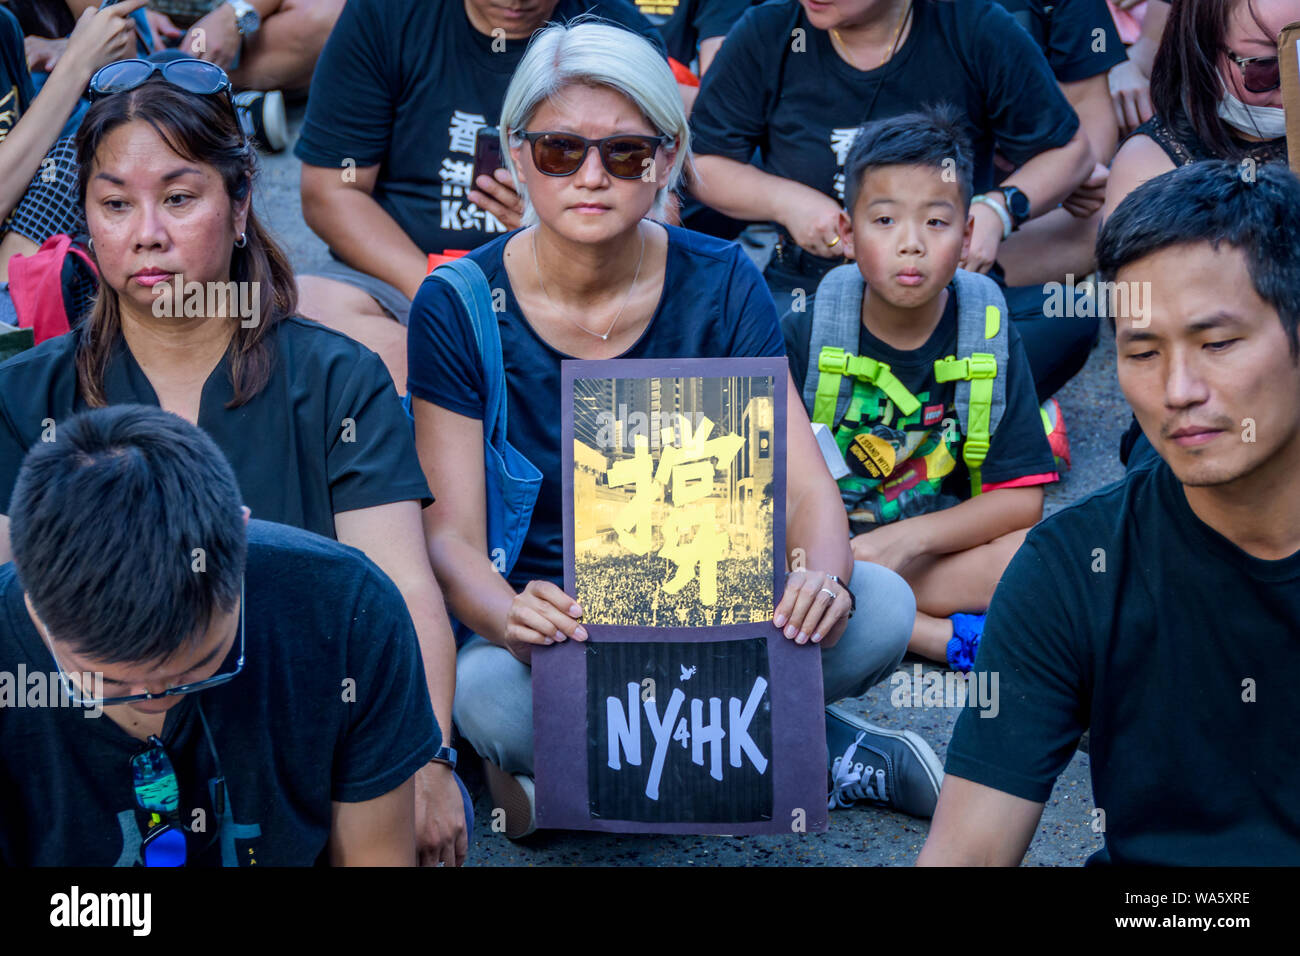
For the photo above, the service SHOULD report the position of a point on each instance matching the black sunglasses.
(627, 156)
(191, 75)
(1259, 74)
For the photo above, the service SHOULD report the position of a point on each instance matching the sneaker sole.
(512, 795)
(915, 743)
(274, 123)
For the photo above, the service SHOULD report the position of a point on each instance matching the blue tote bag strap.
(469, 282)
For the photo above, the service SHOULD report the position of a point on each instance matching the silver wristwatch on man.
(247, 20)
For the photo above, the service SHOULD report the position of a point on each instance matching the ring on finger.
(830, 592)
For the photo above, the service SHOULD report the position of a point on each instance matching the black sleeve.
(391, 730)
(1027, 111)
(1082, 40)
(714, 18)
(796, 329)
(1019, 446)
(370, 456)
(352, 100)
(1035, 646)
(625, 14)
(730, 114)
(750, 301)
(443, 364)
(12, 452)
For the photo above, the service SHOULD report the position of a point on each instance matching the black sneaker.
(889, 768)
(262, 117)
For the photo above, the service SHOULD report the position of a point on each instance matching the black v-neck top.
(326, 434)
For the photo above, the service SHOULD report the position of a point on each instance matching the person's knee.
(493, 707)
(890, 605)
(328, 300)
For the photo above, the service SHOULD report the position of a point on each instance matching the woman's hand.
(1130, 94)
(496, 194)
(813, 607)
(162, 26)
(541, 614)
(102, 37)
(43, 54)
(813, 221)
(985, 238)
(1091, 194)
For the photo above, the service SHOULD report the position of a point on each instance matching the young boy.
(899, 399)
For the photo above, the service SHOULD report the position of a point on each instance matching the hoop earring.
(242, 240)
(90, 244)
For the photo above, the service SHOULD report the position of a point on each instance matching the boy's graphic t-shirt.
(901, 465)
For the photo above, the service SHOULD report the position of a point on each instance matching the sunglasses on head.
(626, 156)
(188, 74)
(1259, 74)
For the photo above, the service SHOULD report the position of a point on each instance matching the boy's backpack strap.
(980, 366)
(837, 315)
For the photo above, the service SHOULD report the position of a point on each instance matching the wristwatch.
(853, 601)
(1017, 205)
(247, 20)
(1007, 225)
(445, 755)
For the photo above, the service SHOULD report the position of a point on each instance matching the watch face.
(1017, 203)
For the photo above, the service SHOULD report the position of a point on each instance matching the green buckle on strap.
(834, 362)
(980, 365)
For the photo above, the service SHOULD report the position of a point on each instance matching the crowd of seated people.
(245, 512)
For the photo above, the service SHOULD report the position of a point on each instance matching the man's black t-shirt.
(714, 305)
(406, 85)
(331, 705)
(16, 90)
(778, 86)
(684, 23)
(1078, 37)
(1127, 615)
(923, 451)
(327, 433)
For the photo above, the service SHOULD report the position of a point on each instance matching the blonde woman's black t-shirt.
(1128, 616)
(714, 305)
(331, 705)
(778, 86)
(327, 433)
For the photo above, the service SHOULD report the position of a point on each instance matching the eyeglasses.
(1259, 74)
(191, 75)
(157, 793)
(80, 700)
(624, 157)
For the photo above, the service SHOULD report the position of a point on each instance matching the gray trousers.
(494, 692)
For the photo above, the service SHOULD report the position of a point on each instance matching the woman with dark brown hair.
(1216, 90)
(196, 314)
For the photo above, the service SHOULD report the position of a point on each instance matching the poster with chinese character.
(686, 711)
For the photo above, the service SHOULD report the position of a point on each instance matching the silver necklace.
(626, 299)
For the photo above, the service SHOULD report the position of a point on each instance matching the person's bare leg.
(1049, 248)
(13, 245)
(347, 309)
(282, 53)
(950, 583)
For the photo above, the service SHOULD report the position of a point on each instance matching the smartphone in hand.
(487, 153)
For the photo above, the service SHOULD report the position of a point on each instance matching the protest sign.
(686, 710)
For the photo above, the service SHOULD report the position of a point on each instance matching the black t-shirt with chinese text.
(714, 305)
(327, 433)
(406, 85)
(778, 86)
(684, 23)
(331, 705)
(1078, 37)
(908, 466)
(1128, 616)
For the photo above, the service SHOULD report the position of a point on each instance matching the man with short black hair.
(263, 686)
(1161, 613)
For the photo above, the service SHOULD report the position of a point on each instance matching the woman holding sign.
(597, 139)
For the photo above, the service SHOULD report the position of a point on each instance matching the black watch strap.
(445, 755)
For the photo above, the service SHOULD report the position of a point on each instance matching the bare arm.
(709, 48)
(378, 832)
(1139, 159)
(347, 217)
(100, 37)
(1053, 174)
(1091, 100)
(975, 521)
(975, 825)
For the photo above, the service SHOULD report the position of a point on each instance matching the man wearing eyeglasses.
(263, 685)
